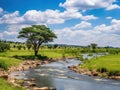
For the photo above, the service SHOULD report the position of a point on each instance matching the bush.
(4, 47)
(114, 73)
(3, 65)
(102, 70)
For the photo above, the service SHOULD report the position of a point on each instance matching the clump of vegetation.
(90, 54)
(102, 70)
(114, 73)
(4, 46)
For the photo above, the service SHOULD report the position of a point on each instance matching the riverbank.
(105, 66)
(84, 71)
(25, 65)
(18, 60)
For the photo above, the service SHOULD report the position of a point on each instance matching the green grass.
(54, 53)
(6, 62)
(4, 85)
(15, 56)
(109, 63)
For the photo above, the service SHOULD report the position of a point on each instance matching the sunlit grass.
(110, 62)
(4, 85)
(6, 62)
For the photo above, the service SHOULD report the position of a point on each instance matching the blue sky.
(78, 22)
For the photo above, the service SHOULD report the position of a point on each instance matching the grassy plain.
(12, 57)
(109, 64)
(15, 56)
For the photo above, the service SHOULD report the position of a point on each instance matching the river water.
(57, 75)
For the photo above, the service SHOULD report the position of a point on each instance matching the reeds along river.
(57, 75)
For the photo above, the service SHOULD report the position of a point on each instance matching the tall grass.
(109, 63)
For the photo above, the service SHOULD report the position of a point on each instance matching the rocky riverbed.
(84, 71)
(26, 83)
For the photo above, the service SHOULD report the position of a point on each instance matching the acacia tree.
(37, 34)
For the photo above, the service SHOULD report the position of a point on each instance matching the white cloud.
(115, 21)
(10, 33)
(1, 10)
(109, 17)
(12, 18)
(43, 17)
(46, 17)
(54, 16)
(111, 7)
(113, 28)
(102, 34)
(89, 4)
(82, 25)
(89, 17)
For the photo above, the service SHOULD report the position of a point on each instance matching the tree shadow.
(31, 57)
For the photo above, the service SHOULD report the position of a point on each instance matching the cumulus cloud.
(89, 4)
(48, 16)
(113, 28)
(89, 17)
(1, 10)
(114, 6)
(11, 18)
(109, 17)
(43, 17)
(103, 35)
(11, 32)
(14, 21)
(82, 25)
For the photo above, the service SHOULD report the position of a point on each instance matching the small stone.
(52, 88)
(42, 88)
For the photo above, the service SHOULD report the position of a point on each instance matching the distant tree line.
(4, 46)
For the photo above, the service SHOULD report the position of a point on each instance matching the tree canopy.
(37, 34)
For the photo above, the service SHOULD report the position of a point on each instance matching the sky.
(75, 22)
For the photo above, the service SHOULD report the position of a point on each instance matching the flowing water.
(57, 75)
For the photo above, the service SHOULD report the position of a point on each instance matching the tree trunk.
(36, 52)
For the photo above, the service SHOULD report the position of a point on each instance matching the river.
(57, 75)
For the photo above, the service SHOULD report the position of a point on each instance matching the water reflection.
(41, 80)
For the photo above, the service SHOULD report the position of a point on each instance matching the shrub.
(102, 69)
(3, 65)
(4, 47)
(19, 47)
(114, 73)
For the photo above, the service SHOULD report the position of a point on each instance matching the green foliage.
(37, 34)
(109, 64)
(28, 44)
(19, 47)
(90, 54)
(4, 46)
(102, 69)
(6, 62)
(55, 46)
(114, 73)
(31, 57)
(4, 85)
(113, 50)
